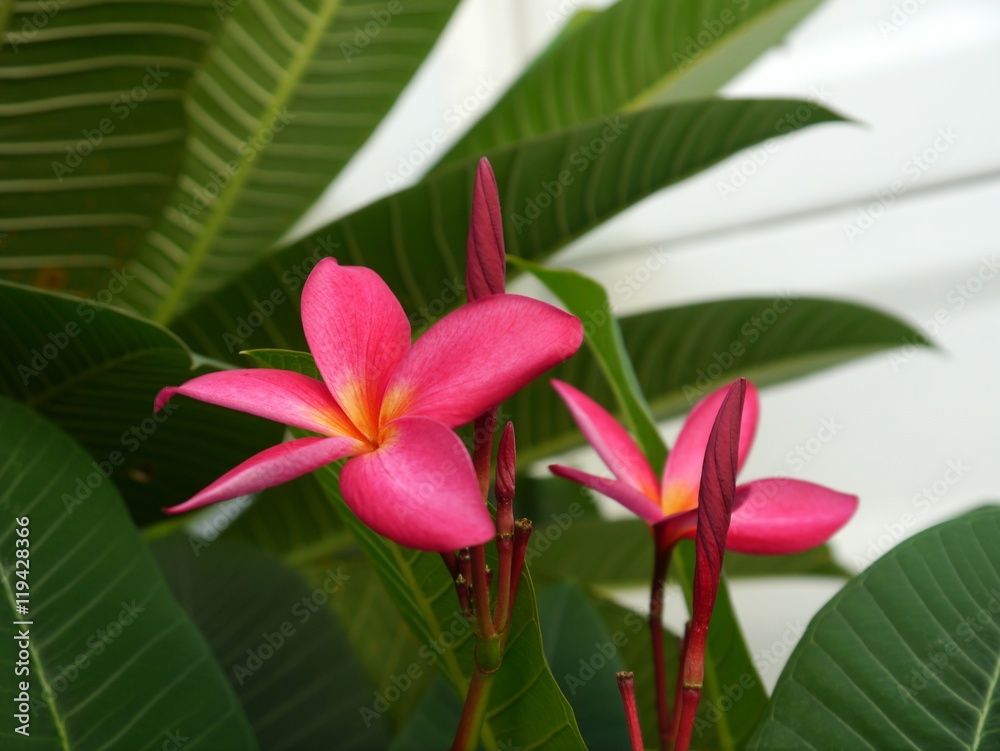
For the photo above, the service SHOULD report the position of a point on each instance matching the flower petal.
(479, 355)
(611, 441)
(418, 488)
(358, 333)
(486, 262)
(682, 473)
(280, 395)
(779, 516)
(271, 467)
(644, 507)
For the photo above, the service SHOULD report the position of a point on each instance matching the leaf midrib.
(284, 93)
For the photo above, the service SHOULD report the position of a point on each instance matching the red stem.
(689, 709)
(660, 564)
(626, 685)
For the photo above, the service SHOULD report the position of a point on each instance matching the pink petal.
(271, 467)
(644, 507)
(486, 263)
(418, 488)
(781, 516)
(479, 355)
(611, 441)
(280, 395)
(682, 473)
(358, 333)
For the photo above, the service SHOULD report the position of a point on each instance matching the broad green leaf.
(524, 697)
(430, 725)
(113, 661)
(95, 371)
(297, 523)
(636, 654)
(585, 655)
(92, 131)
(285, 98)
(818, 561)
(634, 53)
(415, 239)
(906, 655)
(682, 354)
(273, 635)
(584, 297)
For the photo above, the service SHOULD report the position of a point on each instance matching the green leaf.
(430, 726)
(95, 371)
(286, 656)
(678, 355)
(415, 239)
(906, 655)
(114, 662)
(626, 558)
(818, 561)
(585, 655)
(582, 296)
(93, 129)
(297, 523)
(286, 97)
(634, 53)
(636, 654)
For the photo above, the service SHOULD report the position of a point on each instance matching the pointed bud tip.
(486, 261)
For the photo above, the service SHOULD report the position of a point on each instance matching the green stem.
(473, 712)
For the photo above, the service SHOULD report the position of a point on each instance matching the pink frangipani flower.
(776, 516)
(389, 404)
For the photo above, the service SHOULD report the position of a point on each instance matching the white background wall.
(907, 71)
